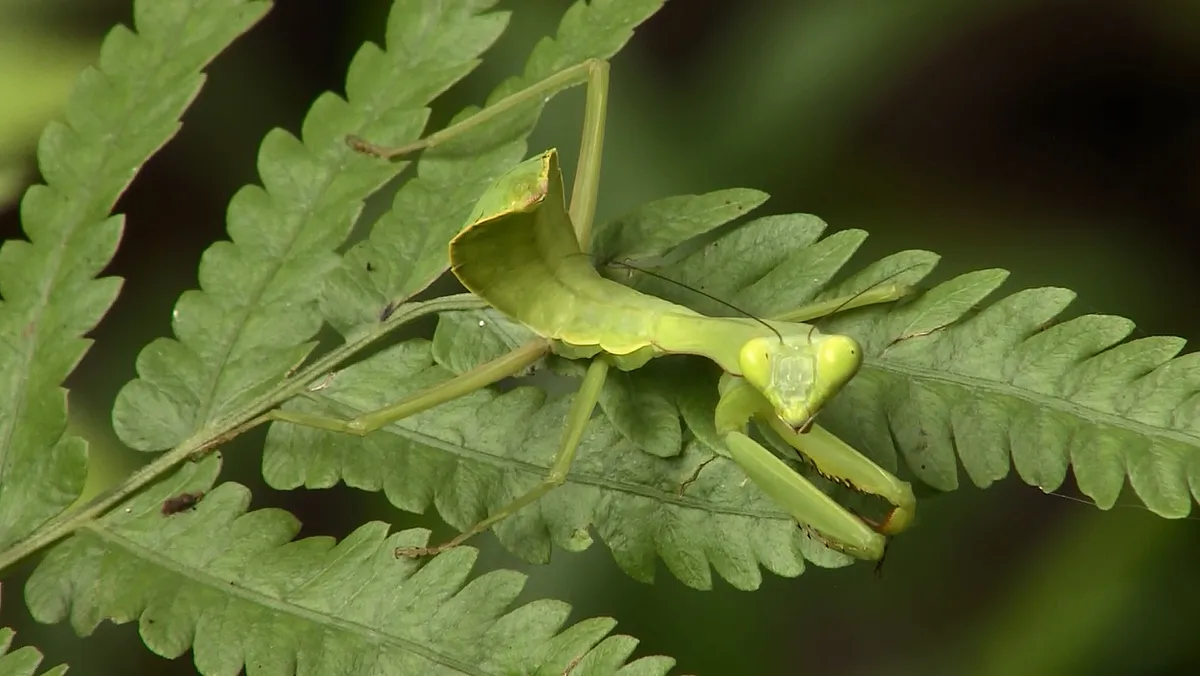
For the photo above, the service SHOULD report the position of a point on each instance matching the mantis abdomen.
(528, 265)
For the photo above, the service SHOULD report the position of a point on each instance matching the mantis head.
(798, 374)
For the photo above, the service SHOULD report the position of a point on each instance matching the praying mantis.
(524, 251)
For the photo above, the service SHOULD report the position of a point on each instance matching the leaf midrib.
(574, 476)
(1034, 398)
(230, 587)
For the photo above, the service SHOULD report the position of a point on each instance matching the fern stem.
(222, 430)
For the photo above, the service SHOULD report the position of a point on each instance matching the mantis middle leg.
(580, 413)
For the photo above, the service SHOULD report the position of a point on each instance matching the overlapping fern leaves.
(236, 589)
(228, 584)
(257, 308)
(406, 249)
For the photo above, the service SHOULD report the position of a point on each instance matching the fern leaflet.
(117, 116)
(22, 661)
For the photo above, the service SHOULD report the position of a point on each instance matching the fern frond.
(257, 310)
(657, 227)
(22, 661)
(236, 589)
(942, 381)
(459, 344)
(406, 249)
(118, 115)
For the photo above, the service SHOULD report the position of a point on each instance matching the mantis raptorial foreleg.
(836, 460)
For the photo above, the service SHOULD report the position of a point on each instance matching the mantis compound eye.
(755, 360)
(838, 360)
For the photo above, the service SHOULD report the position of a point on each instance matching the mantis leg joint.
(356, 427)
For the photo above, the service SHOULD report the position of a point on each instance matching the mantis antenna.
(842, 305)
(731, 306)
(836, 309)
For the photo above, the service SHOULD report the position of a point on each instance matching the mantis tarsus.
(522, 251)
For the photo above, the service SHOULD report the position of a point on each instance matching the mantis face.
(799, 374)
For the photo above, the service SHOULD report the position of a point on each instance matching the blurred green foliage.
(1056, 138)
(37, 67)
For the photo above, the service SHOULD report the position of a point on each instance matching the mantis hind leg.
(884, 293)
(593, 72)
(577, 419)
(481, 376)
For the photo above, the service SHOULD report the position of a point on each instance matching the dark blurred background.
(1057, 138)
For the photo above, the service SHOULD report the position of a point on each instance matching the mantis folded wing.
(522, 252)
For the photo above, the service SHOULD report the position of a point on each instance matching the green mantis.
(523, 251)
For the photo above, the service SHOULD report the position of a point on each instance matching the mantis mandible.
(523, 251)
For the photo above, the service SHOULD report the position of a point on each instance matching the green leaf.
(798, 278)
(233, 587)
(742, 257)
(118, 114)
(472, 455)
(695, 387)
(945, 303)
(658, 227)
(257, 309)
(464, 340)
(641, 406)
(22, 661)
(407, 247)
